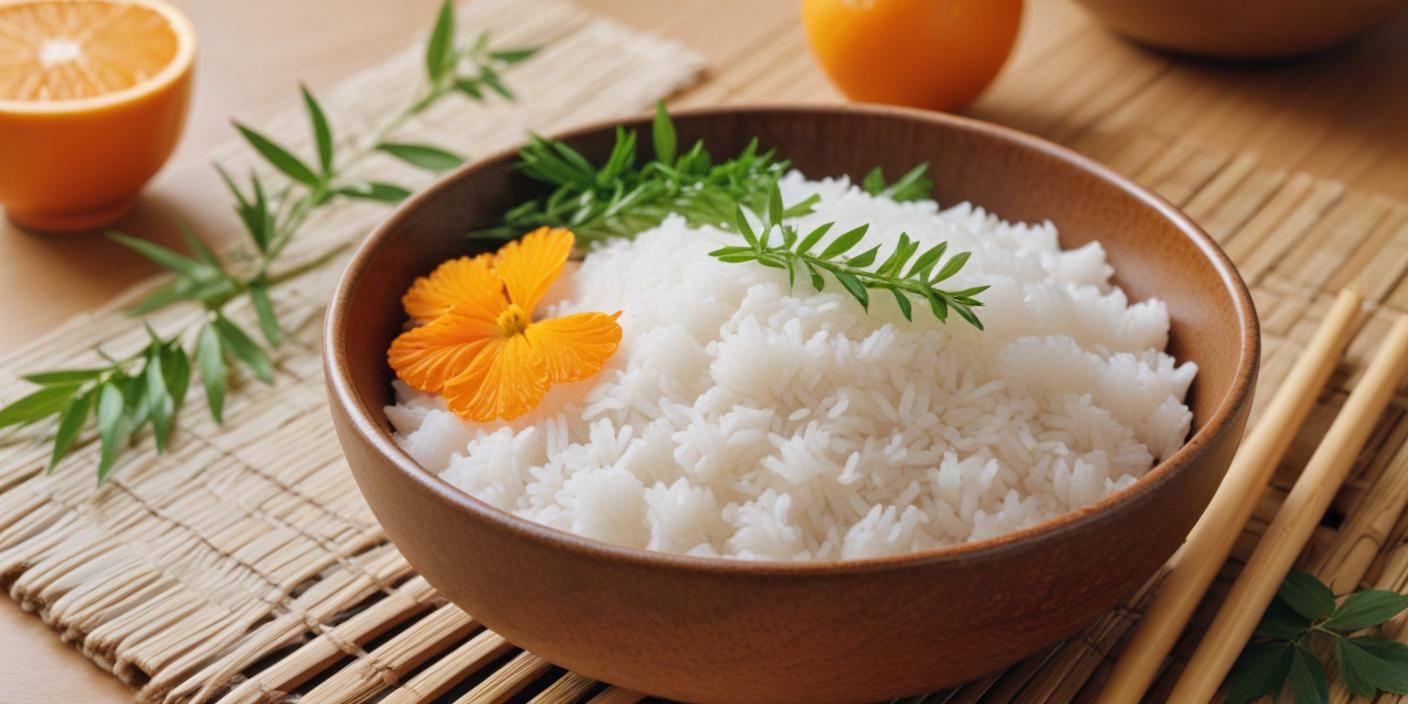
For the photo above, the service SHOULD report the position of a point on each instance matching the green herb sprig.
(150, 386)
(858, 273)
(1305, 612)
(621, 197)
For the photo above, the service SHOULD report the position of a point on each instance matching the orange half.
(93, 97)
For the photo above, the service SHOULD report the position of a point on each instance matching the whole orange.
(936, 54)
(93, 97)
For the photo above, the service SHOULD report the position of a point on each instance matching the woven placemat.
(243, 566)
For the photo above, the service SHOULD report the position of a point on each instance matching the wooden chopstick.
(1295, 521)
(1213, 537)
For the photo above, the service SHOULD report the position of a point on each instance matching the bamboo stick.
(1215, 533)
(1296, 520)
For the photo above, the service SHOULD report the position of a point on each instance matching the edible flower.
(478, 344)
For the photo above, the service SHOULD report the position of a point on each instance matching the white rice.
(744, 419)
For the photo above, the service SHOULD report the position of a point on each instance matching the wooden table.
(1339, 115)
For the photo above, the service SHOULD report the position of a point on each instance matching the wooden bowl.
(1243, 29)
(719, 630)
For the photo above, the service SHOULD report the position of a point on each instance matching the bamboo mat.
(243, 566)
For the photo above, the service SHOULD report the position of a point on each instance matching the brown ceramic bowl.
(718, 630)
(1243, 29)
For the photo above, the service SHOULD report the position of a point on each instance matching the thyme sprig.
(857, 273)
(1305, 612)
(150, 386)
(624, 196)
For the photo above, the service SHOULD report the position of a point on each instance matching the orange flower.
(479, 345)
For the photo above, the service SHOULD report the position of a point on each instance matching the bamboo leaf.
(279, 157)
(203, 253)
(70, 425)
(177, 368)
(210, 359)
(513, 56)
(1363, 609)
(422, 156)
(322, 132)
(112, 426)
(440, 49)
(38, 405)
(164, 257)
(375, 190)
(238, 343)
(159, 405)
(64, 377)
(264, 309)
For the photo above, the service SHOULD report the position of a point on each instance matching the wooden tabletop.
(1337, 115)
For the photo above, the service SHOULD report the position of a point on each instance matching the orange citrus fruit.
(93, 96)
(936, 54)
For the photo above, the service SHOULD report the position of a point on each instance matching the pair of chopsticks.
(1197, 563)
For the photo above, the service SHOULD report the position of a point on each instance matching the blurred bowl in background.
(1243, 29)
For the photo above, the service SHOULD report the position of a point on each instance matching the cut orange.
(93, 97)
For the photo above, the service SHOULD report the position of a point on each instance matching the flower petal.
(529, 265)
(576, 346)
(432, 354)
(507, 379)
(464, 280)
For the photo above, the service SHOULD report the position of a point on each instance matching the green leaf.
(70, 425)
(951, 267)
(818, 283)
(513, 56)
(239, 344)
(440, 49)
(490, 78)
(903, 301)
(469, 87)
(865, 258)
(64, 377)
(422, 156)
(113, 426)
(874, 182)
(159, 404)
(167, 258)
(322, 132)
(1282, 622)
(264, 309)
(1307, 595)
(914, 185)
(775, 208)
(844, 243)
(375, 190)
(279, 157)
(1383, 663)
(967, 315)
(210, 359)
(40, 404)
(1259, 672)
(741, 219)
(937, 304)
(1363, 609)
(1355, 668)
(927, 260)
(203, 253)
(812, 238)
(1308, 683)
(177, 369)
(662, 135)
(853, 286)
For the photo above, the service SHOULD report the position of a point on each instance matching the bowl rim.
(371, 431)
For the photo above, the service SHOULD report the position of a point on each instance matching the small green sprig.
(150, 386)
(857, 274)
(1305, 611)
(622, 197)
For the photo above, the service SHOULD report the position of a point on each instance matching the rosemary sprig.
(622, 197)
(858, 273)
(1305, 611)
(150, 386)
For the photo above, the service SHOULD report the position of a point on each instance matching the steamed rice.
(744, 419)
